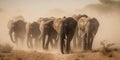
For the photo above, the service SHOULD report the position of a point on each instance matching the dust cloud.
(108, 14)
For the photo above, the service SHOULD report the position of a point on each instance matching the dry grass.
(32, 55)
(106, 49)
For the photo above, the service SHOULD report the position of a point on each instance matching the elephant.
(67, 30)
(51, 29)
(76, 39)
(51, 33)
(47, 30)
(87, 29)
(92, 28)
(77, 17)
(61, 29)
(33, 33)
(17, 30)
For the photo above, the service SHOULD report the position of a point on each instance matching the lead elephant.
(68, 28)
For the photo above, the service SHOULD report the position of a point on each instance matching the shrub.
(7, 48)
(106, 48)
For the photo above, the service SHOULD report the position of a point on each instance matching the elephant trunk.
(28, 41)
(10, 32)
(28, 34)
(42, 36)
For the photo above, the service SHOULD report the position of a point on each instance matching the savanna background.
(106, 11)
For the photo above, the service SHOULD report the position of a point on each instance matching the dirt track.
(23, 55)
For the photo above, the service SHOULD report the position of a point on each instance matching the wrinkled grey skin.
(33, 33)
(63, 30)
(17, 31)
(68, 28)
(51, 33)
(46, 29)
(87, 29)
(92, 28)
(77, 42)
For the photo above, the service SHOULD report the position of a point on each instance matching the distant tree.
(106, 1)
(110, 1)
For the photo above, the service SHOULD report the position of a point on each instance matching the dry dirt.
(34, 55)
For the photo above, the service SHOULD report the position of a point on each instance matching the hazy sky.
(43, 7)
(44, 4)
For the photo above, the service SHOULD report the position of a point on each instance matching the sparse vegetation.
(106, 48)
(6, 48)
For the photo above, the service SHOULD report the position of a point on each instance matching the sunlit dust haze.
(108, 14)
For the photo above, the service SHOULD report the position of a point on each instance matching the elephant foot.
(62, 52)
(28, 46)
(67, 52)
(45, 48)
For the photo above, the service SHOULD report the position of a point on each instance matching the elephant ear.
(10, 24)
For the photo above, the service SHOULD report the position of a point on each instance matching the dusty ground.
(34, 55)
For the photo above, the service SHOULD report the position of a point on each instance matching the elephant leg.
(91, 42)
(68, 46)
(74, 41)
(69, 38)
(51, 42)
(22, 42)
(43, 42)
(68, 49)
(16, 40)
(79, 42)
(48, 41)
(36, 42)
(85, 42)
(42, 38)
(62, 43)
(28, 43)
(88, 43)
(39, 41)
(62, 46)
(31, 43)
(75, 38)
(55, 43)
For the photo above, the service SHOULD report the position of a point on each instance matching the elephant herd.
(80, 29)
